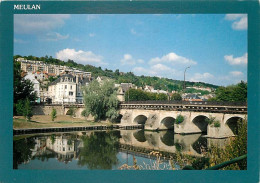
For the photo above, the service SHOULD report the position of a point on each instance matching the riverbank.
(44, 121)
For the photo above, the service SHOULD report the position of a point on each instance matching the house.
(122, 88)
(191, 97)
(67, 89)
(36, 85)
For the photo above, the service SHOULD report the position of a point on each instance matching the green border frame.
(7, 174)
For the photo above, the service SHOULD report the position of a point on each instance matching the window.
(71, 87)
(65, 86)
(70, 93)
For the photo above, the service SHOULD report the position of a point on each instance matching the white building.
(36, 84)
(67, 89)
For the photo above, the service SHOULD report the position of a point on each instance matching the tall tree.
(101, 100)
(22, 88)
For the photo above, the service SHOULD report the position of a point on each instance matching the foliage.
(71, 111)
(212, 121)
(140, 95)
(27, 112)
(237, 147)
(99, 150)
(101, 100)
(233, 93)
(53, 114)
(22, 151)
(179, 119)
(53, 138)
(216, 124)
(84, 113)
(176, 96)
(22, 89)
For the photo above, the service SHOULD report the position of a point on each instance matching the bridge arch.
(168, 122)
(140, 119)
(232, 123)
(139, 136)
(201, 123)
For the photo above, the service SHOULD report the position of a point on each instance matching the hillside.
(120, 77)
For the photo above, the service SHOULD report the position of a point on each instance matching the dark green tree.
(22, 88)
(101, 100)
(176, 96)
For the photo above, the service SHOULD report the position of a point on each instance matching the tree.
(232, 93)
(22, 88)
(176, 96)
(27, 112)
(53, 114)
(101, 100)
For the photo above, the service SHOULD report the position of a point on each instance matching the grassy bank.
(44, 121)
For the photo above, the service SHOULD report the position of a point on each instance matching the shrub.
(210, 120)
(71, 111)
(216, 124)
(179, 119)
(236, 147)
(53, 114)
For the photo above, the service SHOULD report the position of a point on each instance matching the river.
(110, 150)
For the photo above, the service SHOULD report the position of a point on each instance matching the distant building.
(67, 89)
(191, 97)
(36, 85)
(122, 89)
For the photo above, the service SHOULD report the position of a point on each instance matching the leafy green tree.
(233, 93)
(53, 114)
(27, 112)
(101, 100)
(161, 96)
(176, 96)
(19, 107)
(22, 88)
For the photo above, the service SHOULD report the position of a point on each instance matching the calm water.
(110, 150)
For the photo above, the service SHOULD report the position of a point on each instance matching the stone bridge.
(161, 116)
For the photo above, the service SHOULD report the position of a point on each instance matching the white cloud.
(172, 58)
(236, 73)
(160, 68)
(19, 41)
(92, 17)
(144, 71)
(205, 77)
(55, 36)
(91, 34)
(239, 21)
(236, 61)
(83, 57)
(129, 60)
(37, 23)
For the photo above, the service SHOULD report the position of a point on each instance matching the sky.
(213, 46)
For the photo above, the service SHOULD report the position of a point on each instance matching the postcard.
(154, 91)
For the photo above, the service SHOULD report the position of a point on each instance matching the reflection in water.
(22, 151)
(139, 136)
(99, 150)
(103, 150)
(168, 138)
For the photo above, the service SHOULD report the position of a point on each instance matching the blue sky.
(213, 45)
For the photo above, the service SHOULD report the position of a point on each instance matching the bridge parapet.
(205, 106)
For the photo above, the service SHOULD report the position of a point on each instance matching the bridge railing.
(187, 102)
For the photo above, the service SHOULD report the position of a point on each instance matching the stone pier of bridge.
(195, 121)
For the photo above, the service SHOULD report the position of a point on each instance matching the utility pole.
(184, 78)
